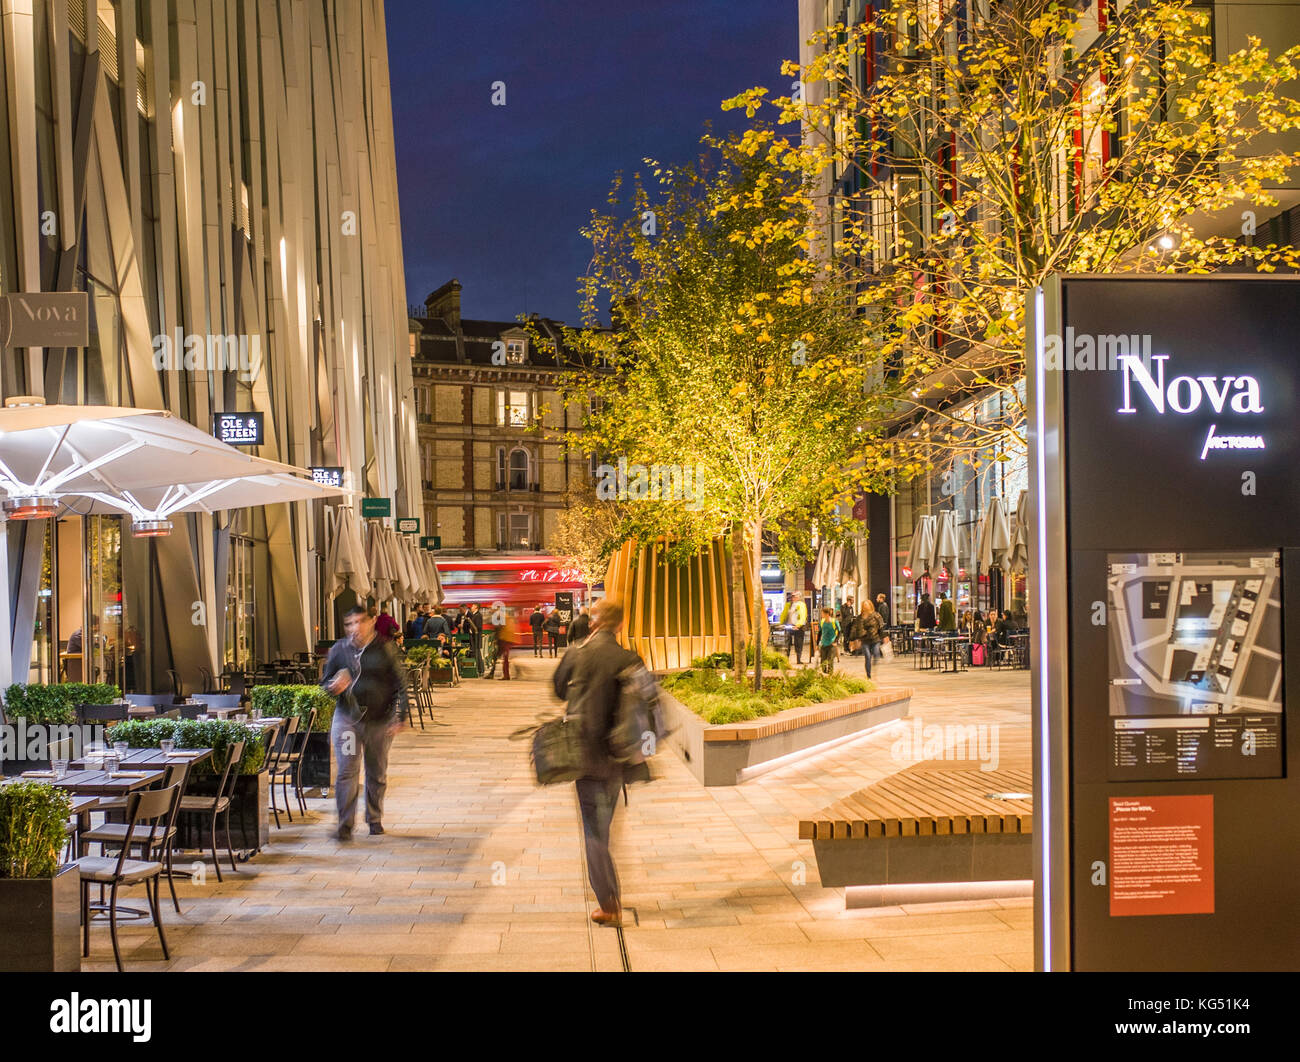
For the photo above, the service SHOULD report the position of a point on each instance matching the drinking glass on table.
(60, 768)
(202, 718)
(241, 717)
(168, 746)
(121, 748)
(257, 713)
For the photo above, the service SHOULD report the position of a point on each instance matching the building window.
(518, 469)
(513, 409)
(516, 351)
(513, 530)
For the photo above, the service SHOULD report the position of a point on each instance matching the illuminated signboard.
(327, 475)
(238, 429)
(408, 525)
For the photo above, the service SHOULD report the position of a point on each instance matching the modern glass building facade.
(219, 169)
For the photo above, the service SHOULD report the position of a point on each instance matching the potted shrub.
(40, 899)
(249, 814)
(36, 716)
(430, 656)
(299, 700)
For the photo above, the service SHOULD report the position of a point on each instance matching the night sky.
(496, 195)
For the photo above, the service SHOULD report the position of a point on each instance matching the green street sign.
(431, 542)
(408, 525)
(376, 506)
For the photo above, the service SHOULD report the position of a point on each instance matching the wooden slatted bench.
(936, 821)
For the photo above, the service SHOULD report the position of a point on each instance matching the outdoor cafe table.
(156, 759)
(97, 784)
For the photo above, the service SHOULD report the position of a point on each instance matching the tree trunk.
(760, 613)
(739, 609)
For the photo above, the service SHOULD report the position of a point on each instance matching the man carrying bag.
(588, 679)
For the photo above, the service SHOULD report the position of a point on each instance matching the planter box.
(40, 923)
(317, 761)
(250, 810)
(717, 754)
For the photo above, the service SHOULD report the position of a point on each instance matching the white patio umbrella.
(347, 557)
(1018, 554)
(208, 496)
(994, 536)
(381, 572)
(819, 566)
(403, 583)
(946, 541)
(148, 458)
(921, 553)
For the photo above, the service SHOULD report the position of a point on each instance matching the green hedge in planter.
(57, 703)
(32, 818)
(216, 734)
(423, 655)
(286, 701)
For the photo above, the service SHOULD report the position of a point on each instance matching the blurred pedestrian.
(367, 676)
(536, 621)
(589, 675)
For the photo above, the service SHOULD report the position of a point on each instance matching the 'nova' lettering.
(1184, 394)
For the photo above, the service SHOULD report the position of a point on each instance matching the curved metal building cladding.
(219, 177)
(674, 612)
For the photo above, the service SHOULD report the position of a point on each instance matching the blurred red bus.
(519, 583)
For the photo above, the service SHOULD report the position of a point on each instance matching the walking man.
(535, 621)
(364, 672)
(589, 674)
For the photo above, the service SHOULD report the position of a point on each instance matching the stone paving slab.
(482, 870)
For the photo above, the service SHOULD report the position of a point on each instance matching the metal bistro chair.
(152, 807)
(218, 804)
(279, 757)
(116, 833)
(416, 689)
(192, 711)
(287, 765)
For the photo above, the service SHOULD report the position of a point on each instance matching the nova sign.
(1186, 394)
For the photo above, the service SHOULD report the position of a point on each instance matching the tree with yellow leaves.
(966, 152)
(742, 363)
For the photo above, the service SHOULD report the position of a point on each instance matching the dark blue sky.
(496, 195)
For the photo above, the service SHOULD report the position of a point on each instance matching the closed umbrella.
(1018, 554)
(381, 569)
(848, 576)
(401, 576)
(819, 566)
(921, 553)
(347, 560)
(945, 541)
(995, 536)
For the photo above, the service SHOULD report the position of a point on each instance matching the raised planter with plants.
(720, 728)
(40, 898)
(431, 658)
(36, 716)
(249, 811)
(298, 700)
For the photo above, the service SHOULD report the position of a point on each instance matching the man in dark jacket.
(552, 628)
(473, 626)
(435, 625)
(535, 621)
(882, 609)
(925, 618)
(366, 674)
(588, 679)
(581, 628)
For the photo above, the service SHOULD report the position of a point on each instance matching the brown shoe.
(607, 918)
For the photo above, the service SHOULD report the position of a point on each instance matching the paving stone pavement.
(482, 870)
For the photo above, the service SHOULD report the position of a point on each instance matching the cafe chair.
(192, 711)
(287, 765)
(279, 755)
(152, 807)
(217, 804)
(151, 847)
